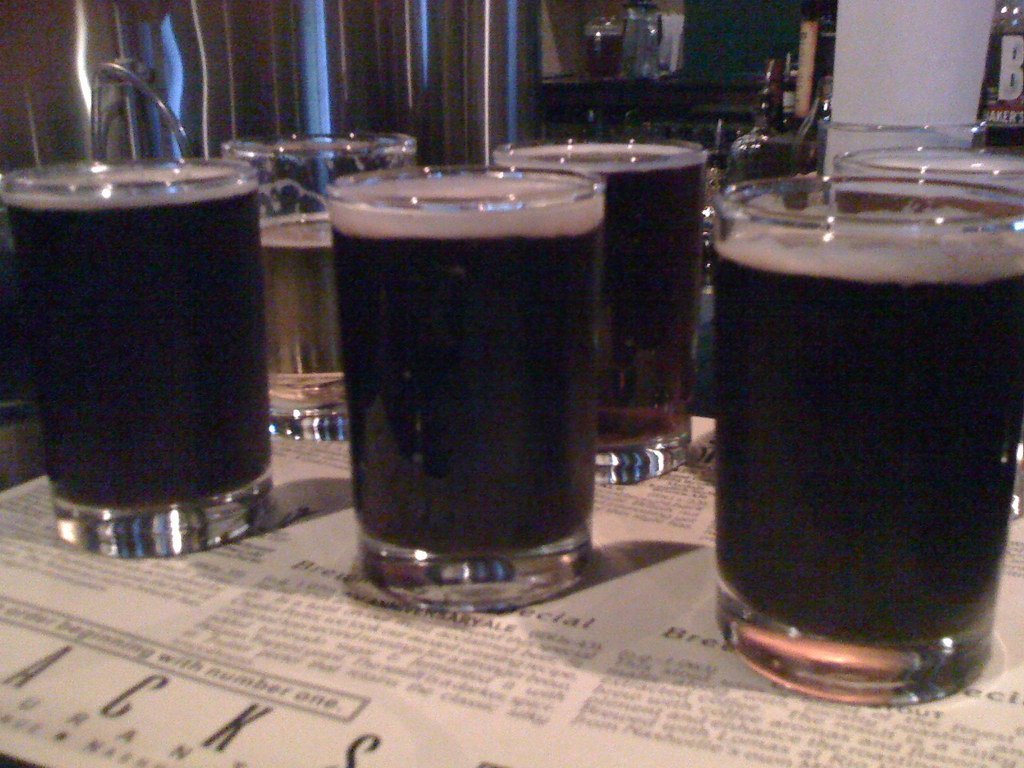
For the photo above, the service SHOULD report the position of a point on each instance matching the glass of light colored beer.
(307, 392)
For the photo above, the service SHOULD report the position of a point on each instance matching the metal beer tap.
(122, 72)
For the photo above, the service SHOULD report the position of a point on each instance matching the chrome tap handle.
(118, 73)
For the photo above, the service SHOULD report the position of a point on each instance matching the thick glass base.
(468, 581)
(847, 672)
(631, 464)
(166, 529)
(326, 423)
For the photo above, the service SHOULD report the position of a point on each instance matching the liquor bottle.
(805, 57)
(816, 55)
(772, 96)
(641, 40)
(718, 158)
(825, 50)
(765, 150)
(1002, 97)
(602, 41)
(808, 145)
(789, 78)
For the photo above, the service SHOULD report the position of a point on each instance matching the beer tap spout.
(120, 73)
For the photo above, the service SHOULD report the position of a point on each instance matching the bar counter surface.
(273, 652)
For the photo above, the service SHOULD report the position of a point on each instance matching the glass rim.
(353, 143)
(503, 154)
(368, 190)
(871, 161)
(925, 128)
(298, 217)
(96, 185)
(744, 203)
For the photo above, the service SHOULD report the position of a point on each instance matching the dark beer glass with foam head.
(144, 300)
(870, 380)
(994, 167)
(649, 297)
(467, 300)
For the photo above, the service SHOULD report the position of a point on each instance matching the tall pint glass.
(870, 374)
(649, 297)
(467, 303)
(144, 301)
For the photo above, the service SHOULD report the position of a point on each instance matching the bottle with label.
(816, 55)
(805, 58)
(825, 50)
(1002, 97)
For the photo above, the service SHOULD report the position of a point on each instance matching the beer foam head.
(873, 231)
(300, 230)
(601, 157)
(462, 203)
(101, 186)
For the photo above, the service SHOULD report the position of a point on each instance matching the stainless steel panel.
(460, 75)
(47, 51)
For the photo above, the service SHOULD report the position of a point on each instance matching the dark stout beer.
(649, 299)
(865, 429)
(146, 326)
(651, 281)
(469, 357)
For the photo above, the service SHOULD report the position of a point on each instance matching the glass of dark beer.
(870, 380)
(143, 295)
(467, 301)
(1000, 168)
(649, 298)
(307, 389)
